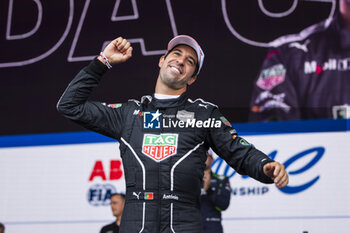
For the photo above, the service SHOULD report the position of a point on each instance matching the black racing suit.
(163, 145)
(110, 228)
(305, 75)
(213, 201)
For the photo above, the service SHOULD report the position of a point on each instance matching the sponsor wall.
(65, 187)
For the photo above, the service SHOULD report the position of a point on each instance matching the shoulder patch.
(243, 142)
(225, 121)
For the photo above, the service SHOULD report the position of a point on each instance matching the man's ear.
(161, 60)
(192, 80)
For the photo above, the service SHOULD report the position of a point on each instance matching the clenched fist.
(277, 173)
(118, 51)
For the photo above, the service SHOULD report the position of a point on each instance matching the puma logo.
(202, 105)
(300, 46)
(137, 195)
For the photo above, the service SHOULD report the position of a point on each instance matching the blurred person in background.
(117, 206)
(215, 197)
(2, 228)
(307, 75)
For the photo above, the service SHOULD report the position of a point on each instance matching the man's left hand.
(278, 174)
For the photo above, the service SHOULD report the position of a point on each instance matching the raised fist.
(119, 50)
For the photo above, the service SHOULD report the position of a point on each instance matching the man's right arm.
(95, 116)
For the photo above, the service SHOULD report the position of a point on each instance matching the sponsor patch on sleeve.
(271, 77)
(225, 121)
(244, 142)
(114, 105)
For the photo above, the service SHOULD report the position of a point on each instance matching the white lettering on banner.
(83, 30)
(38, 30)
(118, 20)
(31, 32)
(275, 43)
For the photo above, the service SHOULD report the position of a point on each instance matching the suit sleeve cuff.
(267, 179)
(96, 68)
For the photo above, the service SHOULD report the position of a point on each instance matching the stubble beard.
(171, 81)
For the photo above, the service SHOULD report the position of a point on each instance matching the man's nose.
(181, 60)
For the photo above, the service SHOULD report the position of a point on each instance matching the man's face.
(344, 7)
(177, 68)
(117, 205)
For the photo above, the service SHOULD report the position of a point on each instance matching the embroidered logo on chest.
(159, 147)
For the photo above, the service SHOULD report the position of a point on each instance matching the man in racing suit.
(215, 197)
(306, 75)
(164, 138)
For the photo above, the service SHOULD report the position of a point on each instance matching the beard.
(171, 81)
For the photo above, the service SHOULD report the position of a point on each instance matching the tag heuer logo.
(159, 147)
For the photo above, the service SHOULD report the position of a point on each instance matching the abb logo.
(115, 170)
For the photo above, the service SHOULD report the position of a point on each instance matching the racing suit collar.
(167, 103)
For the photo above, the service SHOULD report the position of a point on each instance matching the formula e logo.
(296, 165)
(100, 194)
(159, 147)
(151, 120)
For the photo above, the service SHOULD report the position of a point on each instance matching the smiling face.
(177, 69)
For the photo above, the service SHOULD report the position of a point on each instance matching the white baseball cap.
(189, 41)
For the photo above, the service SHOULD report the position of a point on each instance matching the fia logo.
(151, 120)
(100, 194)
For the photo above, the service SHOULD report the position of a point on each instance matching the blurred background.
(44, 44)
